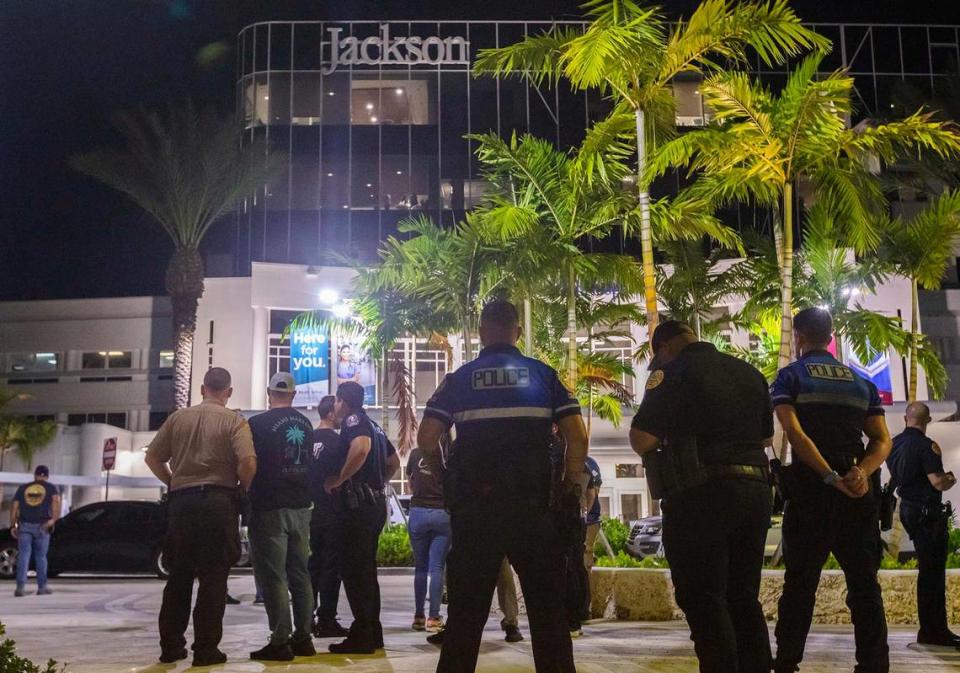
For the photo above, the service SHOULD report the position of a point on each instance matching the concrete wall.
(647, 595)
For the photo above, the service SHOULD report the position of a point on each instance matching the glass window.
(631, 506)
(76, 419)
(107, 360)
(34, 362)
(391, 99)
(157, 418)
(629, 470)
(117, 418)
(604, 506)
(689, 102)
(166, 358)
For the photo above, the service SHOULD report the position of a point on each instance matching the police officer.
(717, 409)
(498, 489)
(368, 461)
(832, 505)
(916, 468)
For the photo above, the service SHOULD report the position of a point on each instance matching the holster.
(673, 467)
(888, 504)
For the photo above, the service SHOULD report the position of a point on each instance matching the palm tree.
(633, 54)
(187, 169)
(760, 146)
(33, 436)
(921, 248)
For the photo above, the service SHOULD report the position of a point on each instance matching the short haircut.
(351, 393)
(325, 408)
(500, 313)
(670, 329)
(815, 325)
(217, 379)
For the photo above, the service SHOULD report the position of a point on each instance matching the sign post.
(109, 461)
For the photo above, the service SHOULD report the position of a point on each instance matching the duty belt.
(754, 472)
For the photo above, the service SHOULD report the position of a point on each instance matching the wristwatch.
(831, 478)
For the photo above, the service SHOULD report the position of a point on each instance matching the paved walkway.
(109, 625)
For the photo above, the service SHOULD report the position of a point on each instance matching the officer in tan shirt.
(201, 453)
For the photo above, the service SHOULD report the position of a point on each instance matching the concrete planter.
(647, 595)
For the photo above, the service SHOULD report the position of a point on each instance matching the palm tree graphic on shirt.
(295, 437)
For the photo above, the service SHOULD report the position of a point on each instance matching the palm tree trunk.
(184, 283)
(914, 333)
(467, 344)
(527, 326)
(384, 390)
(786, 280)
(646, 231)
(571, 326)
(590, 396)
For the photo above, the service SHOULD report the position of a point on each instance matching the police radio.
(674, 466)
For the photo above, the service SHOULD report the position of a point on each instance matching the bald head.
(917, 415)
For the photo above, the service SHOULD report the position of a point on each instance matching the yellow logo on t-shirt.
(34, 495)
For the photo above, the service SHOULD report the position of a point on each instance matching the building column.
(258, 374)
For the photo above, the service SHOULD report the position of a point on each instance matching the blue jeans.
(32, 540)
(430, 539)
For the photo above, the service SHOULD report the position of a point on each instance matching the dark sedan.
(111, 537)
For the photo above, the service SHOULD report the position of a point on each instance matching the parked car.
(107, 537)
(646, 539)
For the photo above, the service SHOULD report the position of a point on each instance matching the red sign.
(109, 453)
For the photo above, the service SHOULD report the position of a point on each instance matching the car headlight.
(652, 530)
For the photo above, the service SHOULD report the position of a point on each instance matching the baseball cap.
(282, 382)
(41, 469)
(666, 331)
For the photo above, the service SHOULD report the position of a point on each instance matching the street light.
(329, 297)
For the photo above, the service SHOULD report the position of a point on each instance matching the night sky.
(68, 65)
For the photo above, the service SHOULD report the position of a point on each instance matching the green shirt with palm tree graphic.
(283, 439)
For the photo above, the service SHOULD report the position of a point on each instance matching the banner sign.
(109, 453)
(355, 364)
(877, 371)
(309, 357)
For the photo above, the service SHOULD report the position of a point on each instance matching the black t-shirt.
(281, 438)
(717, 398)
(427, 486)
(324, 464)
(36, 501)
(372, 472)
(910, 461)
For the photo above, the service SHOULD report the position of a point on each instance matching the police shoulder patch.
(351, 420)
(655, 379)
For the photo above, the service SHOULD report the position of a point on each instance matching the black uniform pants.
(359, 532)
(483, 533)
(930, 538)
(714, 535)
(324, 564)
(203, 543)
(577, 586)
(817, 522)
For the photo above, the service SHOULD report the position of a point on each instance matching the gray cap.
(282, 382)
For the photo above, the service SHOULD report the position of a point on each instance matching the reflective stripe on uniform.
(439, 412)
(568, 407)
(833, 398)
(502, 412)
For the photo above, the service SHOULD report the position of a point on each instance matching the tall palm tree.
(921, 247)
(761, 146)
(634, 53)
(187, 169)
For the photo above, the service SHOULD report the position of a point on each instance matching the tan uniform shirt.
(203, 444)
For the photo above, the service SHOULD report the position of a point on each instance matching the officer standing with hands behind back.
(702, 429)
(916, 468)
(825, 408)
(498, 489)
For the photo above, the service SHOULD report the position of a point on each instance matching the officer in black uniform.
(706, 418)
(368, 461)
(916, 469)
(833, 504)
(498, 489)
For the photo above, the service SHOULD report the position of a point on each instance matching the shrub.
(11, 663)
(616, 533)
(393, 548)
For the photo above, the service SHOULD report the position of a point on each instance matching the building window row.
(115, 418)
(50, 361)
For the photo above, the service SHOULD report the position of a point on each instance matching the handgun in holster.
(673, 467)
(570, 519)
